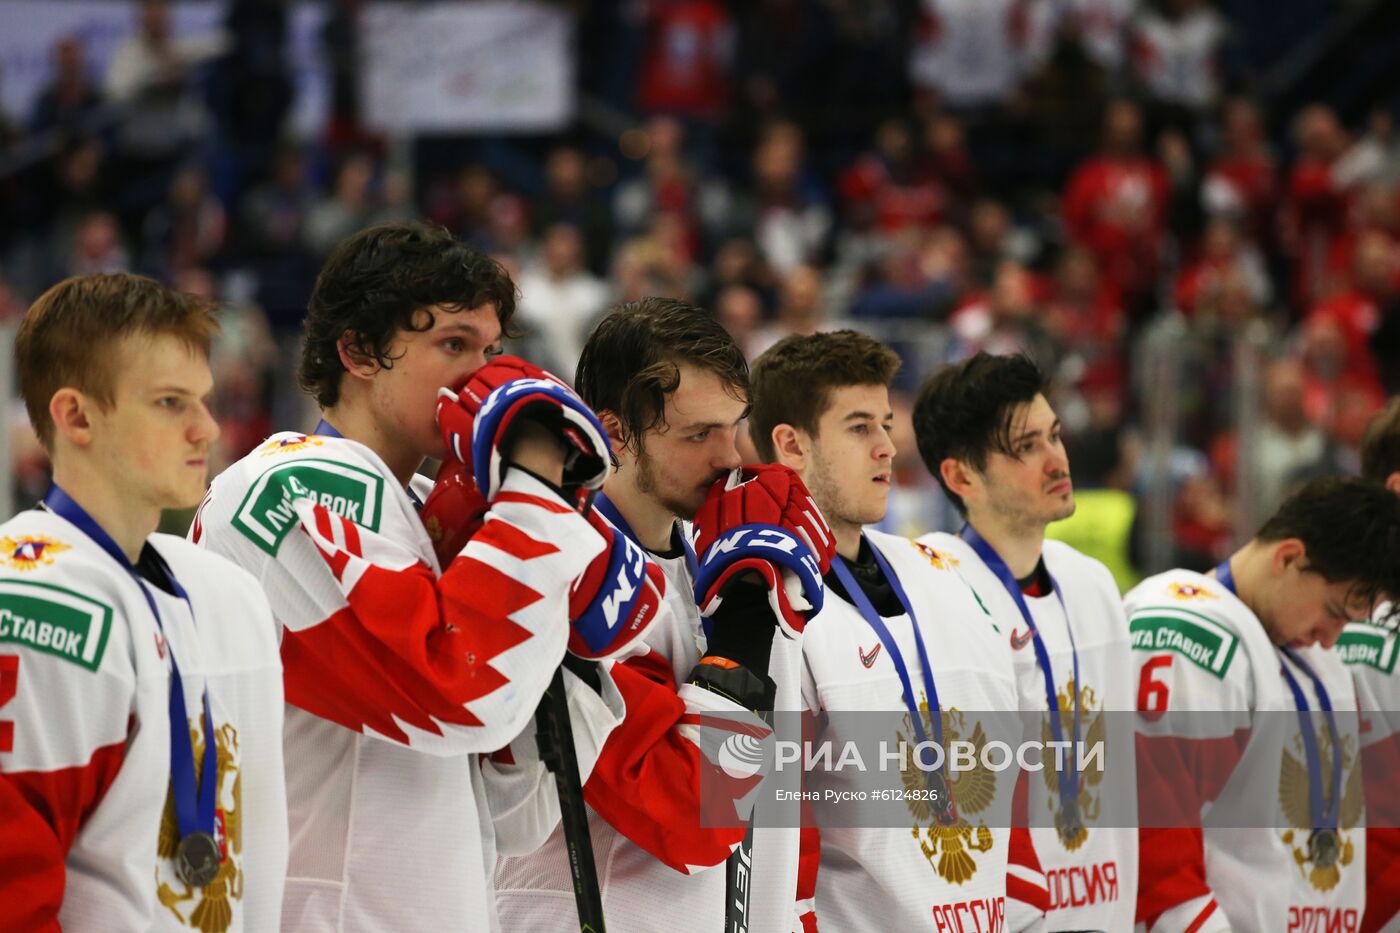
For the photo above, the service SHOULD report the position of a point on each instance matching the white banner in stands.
(453, 67)
(29, 30)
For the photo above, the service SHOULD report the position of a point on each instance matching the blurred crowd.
(1091, 182)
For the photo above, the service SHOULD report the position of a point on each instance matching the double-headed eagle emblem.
(946, 836)
(211, 911)
(1088, 800)
(1293, 797)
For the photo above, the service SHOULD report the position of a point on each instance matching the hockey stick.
(556, 742)
(738, 873)
(555, 737)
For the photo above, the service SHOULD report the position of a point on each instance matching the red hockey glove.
(762, 518)
(453, 511)
(476, 421)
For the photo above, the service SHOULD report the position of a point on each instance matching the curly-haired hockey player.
(405, 670)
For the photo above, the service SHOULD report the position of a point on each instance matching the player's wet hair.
(1350, 528)
(1380, 445)
(69, 335)
(632, 360)
(965, 411)
(792, 380)
(381, 281)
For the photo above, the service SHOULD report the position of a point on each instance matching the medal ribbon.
(194, 811)
(1069, 778)
(603, 504)
(882, 632)
(1324, 814)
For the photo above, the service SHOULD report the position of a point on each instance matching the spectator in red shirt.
(1317, 200)
(687, 59)
(1224, 255)
(1344, 325)
(1242, 181)
(1002, 319)
(1375, 209)
(884, 190)
(1115, 206)
(1084, 315)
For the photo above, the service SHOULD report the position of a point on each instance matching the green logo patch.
(54, 620)
(1200, 639)
(265, 516)
(1371, 645)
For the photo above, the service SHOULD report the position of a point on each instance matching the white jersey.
(87, 821)
(1370, 650)
(1200, 650)
(657, 862)
(1092, 878)
(395, 809)
(958, 878)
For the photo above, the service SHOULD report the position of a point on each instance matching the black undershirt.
(868, 575)
(1037, 583)
(150, 566)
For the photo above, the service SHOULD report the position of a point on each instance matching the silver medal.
(1070, 822)
(197, 859)
(941, 800)
(1324, 848)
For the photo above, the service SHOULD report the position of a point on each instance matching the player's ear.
(1392, 482)
(1286, 554)
(353, 357)
(956, 476)
(70, 410)
(789, 446)
(613, 425)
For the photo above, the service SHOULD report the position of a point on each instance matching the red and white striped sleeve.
(651, 780)
(63, 734)
(374, 640)
(1181, 772)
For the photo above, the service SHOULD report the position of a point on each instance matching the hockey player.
(1257, 801)
(402, 672)
(671, 387)
(141, 783)
(1369, 648)
(987, 433)
(821, 406)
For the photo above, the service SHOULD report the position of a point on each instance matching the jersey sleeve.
(521, 793)
(1184, 663)
(1371, 651)
(63, 731)
(1380, 762)
(658, 781)
(374, 640)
